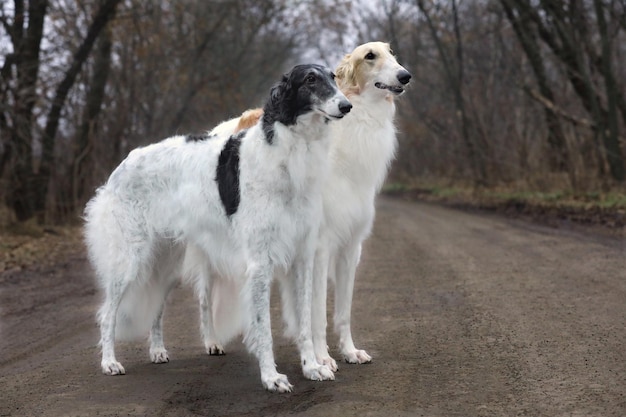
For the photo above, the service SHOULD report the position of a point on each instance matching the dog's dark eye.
(310, 79)
(370, 56)
(332, 75)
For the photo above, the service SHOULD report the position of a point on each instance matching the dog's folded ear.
(278, 108)
(346, 75)
(280, 91)
(276, 92)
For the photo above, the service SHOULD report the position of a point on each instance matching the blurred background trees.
(516, 93)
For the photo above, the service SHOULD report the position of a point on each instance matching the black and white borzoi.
(361, 149)
(251, 203)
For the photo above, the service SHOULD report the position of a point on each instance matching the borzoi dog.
(250, 202)
(361, 150)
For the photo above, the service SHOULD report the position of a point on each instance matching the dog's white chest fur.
(362, 147)
(285, 175)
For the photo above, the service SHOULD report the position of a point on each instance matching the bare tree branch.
(549, 104)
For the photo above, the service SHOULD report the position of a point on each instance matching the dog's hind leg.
(158, 353)
(164, 275)
(347, 261)
(205, 295)
(107, 318)
(197, 269)
(258, 339)
(318, 309)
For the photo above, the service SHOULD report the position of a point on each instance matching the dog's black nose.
(344, 106)
(404, 76)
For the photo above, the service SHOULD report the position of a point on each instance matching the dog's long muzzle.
(345, 106)
(337, 107)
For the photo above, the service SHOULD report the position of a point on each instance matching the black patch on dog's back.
(227, 173)
(197, 138)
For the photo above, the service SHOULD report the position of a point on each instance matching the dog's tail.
(227, 309)
(225, 301)
(141, 305)
(144, 299)
(126, 270)
(139, 309)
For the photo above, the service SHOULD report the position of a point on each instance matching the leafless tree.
(29, 187)
(575, 31)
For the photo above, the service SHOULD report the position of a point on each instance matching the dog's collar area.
(396, 89)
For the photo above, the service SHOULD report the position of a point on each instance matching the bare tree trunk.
(193, 85)
(42, 179)
(391, 10)
(21, 194)
(563, 41)
(611, 135)
(528, 41)
(455, 81)
(95, 96)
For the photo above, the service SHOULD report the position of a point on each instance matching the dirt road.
(465, 315)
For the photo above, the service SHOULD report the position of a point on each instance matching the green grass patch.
(448, 192)
(615, 199)
(561, 198)
(395, 187)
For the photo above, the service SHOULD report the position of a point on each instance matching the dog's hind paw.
(112, 368)
(215, 350)
(159, 356)
(277, 383)
(357, 356)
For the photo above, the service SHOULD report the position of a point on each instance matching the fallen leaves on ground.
(38, 248)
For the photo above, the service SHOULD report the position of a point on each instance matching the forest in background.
(526, 94)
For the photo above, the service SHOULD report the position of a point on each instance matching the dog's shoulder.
(248, 119)
(225, 128)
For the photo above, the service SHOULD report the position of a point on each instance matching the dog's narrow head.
(305, 89)
(372, 67)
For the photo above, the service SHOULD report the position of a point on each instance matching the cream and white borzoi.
(361, 149)
(251, 203)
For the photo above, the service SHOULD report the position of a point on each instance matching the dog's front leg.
(258, 338)
(303, 292)
(347, 261)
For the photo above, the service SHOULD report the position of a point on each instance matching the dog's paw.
(277, 383)
(112, 368)
(318, 373)
(357, 356)
(215, 350)
(329, 362)
(159, 356)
